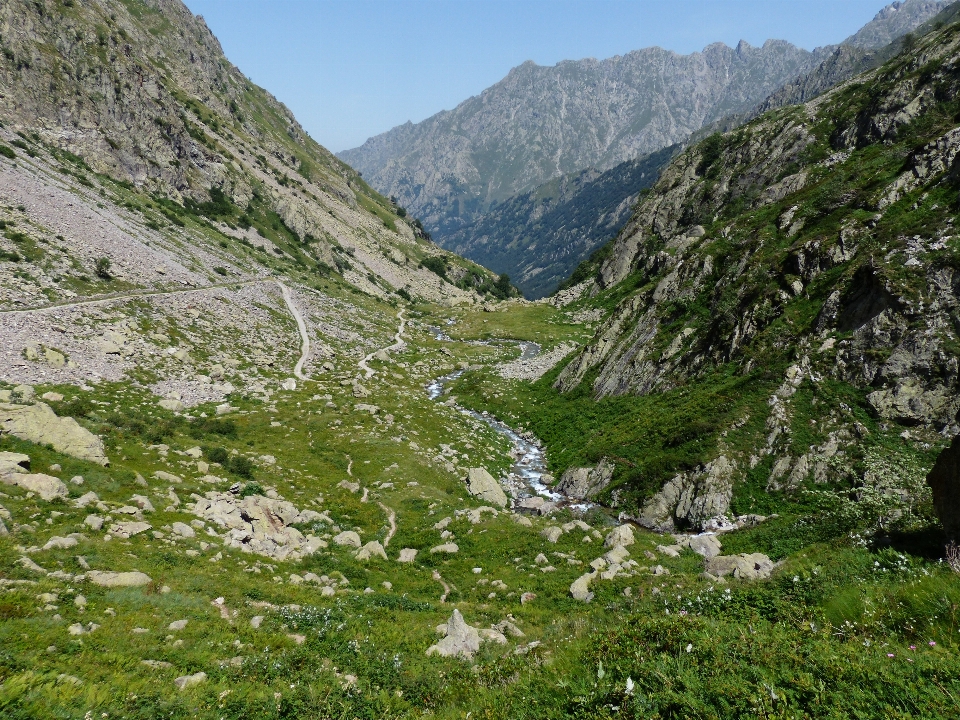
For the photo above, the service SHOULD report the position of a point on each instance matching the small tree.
(102, 268)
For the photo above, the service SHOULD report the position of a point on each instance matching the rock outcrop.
(581, 483)
(46, 486)
(259, 524)
(691, 499)
(745, 566)
(461, 640)
(39, 424)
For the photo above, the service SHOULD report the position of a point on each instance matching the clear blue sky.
(350, 69)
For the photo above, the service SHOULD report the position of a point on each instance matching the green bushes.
(101, 268)
(437, 265)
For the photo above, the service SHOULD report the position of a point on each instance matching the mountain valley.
(266, 450)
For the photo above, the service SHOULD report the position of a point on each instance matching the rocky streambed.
(528, 478)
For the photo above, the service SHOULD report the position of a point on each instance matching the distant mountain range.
(540, 124)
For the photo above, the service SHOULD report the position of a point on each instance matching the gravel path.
(301, 326)
(392, 519)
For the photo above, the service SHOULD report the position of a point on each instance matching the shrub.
(217, 455)
(251, 488)
(101, 268)
(7, 152)
(242, 466)
(220, 270)
(436, 265)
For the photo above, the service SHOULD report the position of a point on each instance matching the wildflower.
(932, 643)
(690, 647)
(889, 654)
(629, 690)
(913, 647)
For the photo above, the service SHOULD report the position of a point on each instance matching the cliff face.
(815, 244)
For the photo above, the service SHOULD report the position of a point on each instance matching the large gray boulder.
(462, 640)
(46, 486)
(581, 483)
(41, 425)
(745, 566)
(118, 579)
(483, 485)
(944, 481)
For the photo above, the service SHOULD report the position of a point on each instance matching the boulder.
(617, 555)
(129, 529)
(944, 482)
(535, 505)
(46, 486)
(482, 484)
(461, 639)
(370, 550)
(39, 424)
(12, 462)
(118, 579)
(706, 545)
(59, 543)
(449, 548)
(407, 555)
(182, 529)
(348, 538)
(619, 536)
(172, 404)
(580, 483)
(580, 589)
(185, 681)
(745, 566)
(552, 534)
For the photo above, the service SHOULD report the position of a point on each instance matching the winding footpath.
(392, 519)
(301, 326)
(398, 343)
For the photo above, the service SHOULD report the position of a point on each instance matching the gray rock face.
(894, 20)
(584, 482)
(692, 498)
(483, 485)
(944, 481)
(39, 424)
(461, 639)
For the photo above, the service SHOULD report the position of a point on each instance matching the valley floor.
(321, 615)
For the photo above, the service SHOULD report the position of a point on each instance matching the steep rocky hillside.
(896, 19)
(141, 96)
(539, 237)
(801, 266)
